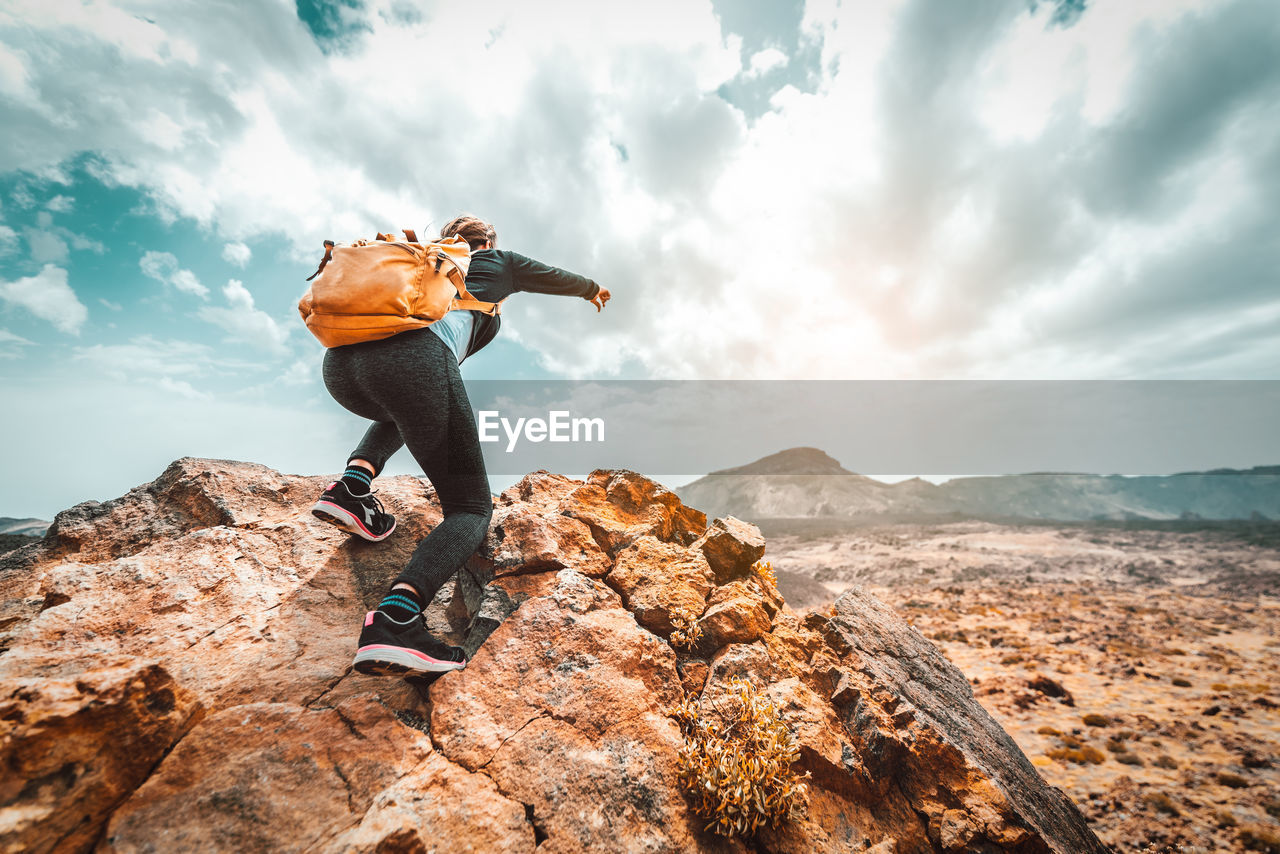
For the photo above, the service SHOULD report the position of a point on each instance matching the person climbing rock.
(409, 385)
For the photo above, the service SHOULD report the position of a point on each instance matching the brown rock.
(232, 784)
(73, 746)
(693, 675)
(749, 587)
(730, 546)
(1050, 688)
(620, 506)
(743, 660)
(846, 691)
(737, 619)
(573, 655)
(439, 802)
(522, 541)
(613, 789)
(825, 752)
(794, 647)
(657, 579)
(918, 722)
(541, 490)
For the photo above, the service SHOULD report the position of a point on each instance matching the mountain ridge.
(766, 489)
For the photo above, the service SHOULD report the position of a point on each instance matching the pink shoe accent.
(413, 652)
(329, 505)
(368, 619)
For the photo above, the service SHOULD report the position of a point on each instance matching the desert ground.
(1136, 664)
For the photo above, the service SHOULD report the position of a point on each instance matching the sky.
(770, 190)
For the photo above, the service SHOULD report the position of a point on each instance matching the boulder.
(660, 580)
(620, 506)
(74, 743)
(730, 546)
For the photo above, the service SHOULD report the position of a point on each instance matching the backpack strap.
(467, 301)
(328, 256)
(481, 306)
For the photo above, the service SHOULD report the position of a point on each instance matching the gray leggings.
(410, 387)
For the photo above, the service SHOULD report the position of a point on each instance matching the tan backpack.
(373, 289)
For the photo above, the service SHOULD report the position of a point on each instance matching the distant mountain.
(806, 482)
(792, 461)
(25, 527)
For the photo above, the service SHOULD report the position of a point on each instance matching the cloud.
(60, 204)
(245, 323)
(11, 345)
(8, 240)
(114, 306)
(46, 247)
(237, 253)
(301, 372)
(145, 355)
(163, 267)
(1043, 180)
(182, 388)
(48, 296)
(766, 60)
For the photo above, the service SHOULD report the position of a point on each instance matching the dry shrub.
(1160, 802)
(685, 630)
(1080, 755)
(736, 761)
(1232, 781)
(1258, 838)
(1096, 720)
(764, 571)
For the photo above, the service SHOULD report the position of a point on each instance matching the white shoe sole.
(383, 660)
(327, 511)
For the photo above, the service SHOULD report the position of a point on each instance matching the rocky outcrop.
(175, 676)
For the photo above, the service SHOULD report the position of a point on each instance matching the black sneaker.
(390, 648)
(361, 515)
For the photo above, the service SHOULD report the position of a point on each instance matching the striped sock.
(357, 480)
(400, 605)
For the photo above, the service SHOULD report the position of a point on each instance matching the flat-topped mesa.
(177, 676)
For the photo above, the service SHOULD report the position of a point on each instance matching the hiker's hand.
(601, 297)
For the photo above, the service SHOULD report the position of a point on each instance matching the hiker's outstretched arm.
(536, 277)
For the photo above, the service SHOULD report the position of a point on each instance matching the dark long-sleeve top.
(496, 274)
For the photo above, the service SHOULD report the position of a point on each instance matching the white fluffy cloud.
(163, 267)
(237, 253)
(245, 323)
(766, 60)
(48, 296)
(961, 191)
